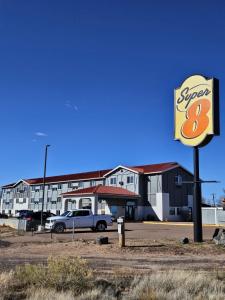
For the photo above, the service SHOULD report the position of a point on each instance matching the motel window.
(49, 199)
(172, 211)
(80, 184)
(40, 200)
(59, 186)
(69, 185)
(58, 212)
(113, 180)
(59, 199)
(32, 200)
(92, 183)
(178, 211)
(178, 180)
(130, 179)
(24, 200)
(32, 188)
(17, 200)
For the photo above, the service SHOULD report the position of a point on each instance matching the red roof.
(102, 190)
(9, 185)
(158, 168)
(69, 177)
(145, 169)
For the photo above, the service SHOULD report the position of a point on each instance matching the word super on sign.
(196, 111)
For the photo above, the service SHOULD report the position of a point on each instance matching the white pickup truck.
(79, 218)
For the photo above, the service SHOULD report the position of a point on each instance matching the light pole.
(43, 198)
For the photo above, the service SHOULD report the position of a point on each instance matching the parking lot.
(134, 231)
(148, 246)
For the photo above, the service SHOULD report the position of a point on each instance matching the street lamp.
(43, 199)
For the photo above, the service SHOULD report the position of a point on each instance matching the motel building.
(148, 192)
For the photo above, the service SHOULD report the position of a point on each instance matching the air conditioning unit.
(121, 183)
(75, 185)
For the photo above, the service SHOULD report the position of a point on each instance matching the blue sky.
(95, 79)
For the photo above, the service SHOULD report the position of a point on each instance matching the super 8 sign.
(196, 111)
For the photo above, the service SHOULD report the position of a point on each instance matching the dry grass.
(68, 279)
(47, 294)
(178, 285)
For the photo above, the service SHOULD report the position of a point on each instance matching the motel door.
(130, 210)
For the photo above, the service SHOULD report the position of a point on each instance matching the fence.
(11, 222)
(213, 215)
(20, 225)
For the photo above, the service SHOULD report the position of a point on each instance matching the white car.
(79, 218)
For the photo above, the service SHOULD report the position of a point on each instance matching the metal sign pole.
(197, 205)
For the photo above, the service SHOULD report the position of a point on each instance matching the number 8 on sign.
(197, 119)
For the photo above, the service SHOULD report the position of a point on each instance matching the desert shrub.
(61, 273)
(70, 278)
(178, 285)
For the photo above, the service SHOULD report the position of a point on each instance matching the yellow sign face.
(194, 111)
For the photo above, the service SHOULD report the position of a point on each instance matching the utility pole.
(213, 199)
(44, 177)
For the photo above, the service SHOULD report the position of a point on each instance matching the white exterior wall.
(162, 209)
(20, 205)
(121, 176)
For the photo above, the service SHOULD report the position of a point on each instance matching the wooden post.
(121, 231)
(73, 229)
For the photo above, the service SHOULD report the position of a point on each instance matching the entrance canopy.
(103, 191)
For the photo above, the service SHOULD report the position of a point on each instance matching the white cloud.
(40, 134)
(70, 105)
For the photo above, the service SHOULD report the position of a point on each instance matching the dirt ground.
(148, 247)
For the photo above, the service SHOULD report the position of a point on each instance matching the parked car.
(3, 216)
(34, 219)
(79, 218)
(23, 212)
